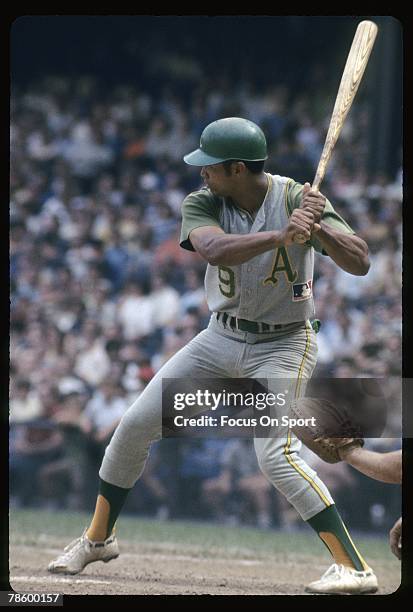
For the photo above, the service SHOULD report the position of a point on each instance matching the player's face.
(216, 178)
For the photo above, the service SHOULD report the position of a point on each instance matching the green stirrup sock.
(333, 533)
(116, 497)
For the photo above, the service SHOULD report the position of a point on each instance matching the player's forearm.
(234, 249)
(386, 467)
(346, 250)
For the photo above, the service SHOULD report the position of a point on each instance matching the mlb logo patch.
(302, 291)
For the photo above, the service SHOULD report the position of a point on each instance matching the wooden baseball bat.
(357, 59)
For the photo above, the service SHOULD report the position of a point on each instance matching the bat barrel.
(357, 59)
(356, 63)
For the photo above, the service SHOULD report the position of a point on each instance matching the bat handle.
(300, 238)
(316, 184)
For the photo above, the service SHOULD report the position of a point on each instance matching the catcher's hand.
(332, 433)
(396, 538)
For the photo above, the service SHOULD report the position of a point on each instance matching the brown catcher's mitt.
(324, 428)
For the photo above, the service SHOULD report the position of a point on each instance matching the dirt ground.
(142, 571)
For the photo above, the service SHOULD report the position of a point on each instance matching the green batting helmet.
(230, 138)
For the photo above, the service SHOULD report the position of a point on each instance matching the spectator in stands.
(134, 311)
(103, 413)
(200, 461)
(25, 403)
(239, 479)
(64, 479)
(35, 445)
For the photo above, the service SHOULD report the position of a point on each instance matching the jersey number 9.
(227, 278)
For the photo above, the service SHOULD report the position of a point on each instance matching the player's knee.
(266, 464)
(138, 425)
(276, 469)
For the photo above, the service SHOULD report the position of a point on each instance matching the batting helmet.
(230, 138)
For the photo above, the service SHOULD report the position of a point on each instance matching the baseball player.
(259, 290)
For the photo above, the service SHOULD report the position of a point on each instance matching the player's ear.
(239, 168)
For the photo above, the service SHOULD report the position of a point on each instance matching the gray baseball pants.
(217, 352)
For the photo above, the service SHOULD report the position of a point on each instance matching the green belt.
(255, 327)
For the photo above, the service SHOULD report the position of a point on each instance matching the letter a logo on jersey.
(281, 264)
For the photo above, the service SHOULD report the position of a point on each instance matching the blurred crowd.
(102, 295)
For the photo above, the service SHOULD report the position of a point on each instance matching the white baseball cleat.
(83, 551)
(345, 581)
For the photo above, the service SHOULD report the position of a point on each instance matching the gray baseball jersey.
(274, 287)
